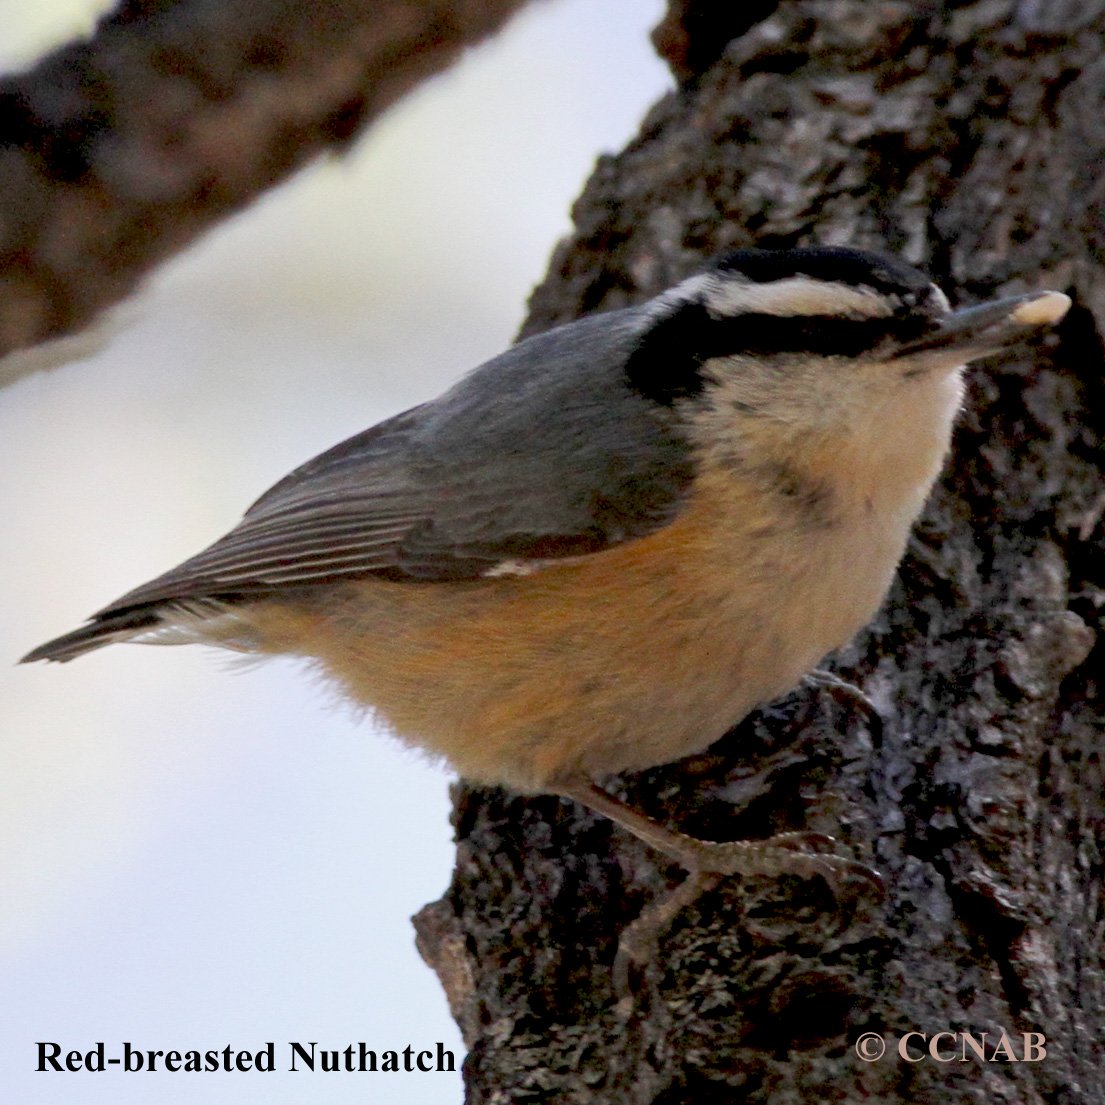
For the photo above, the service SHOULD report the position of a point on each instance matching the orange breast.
(618, 661)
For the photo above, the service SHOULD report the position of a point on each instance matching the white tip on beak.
(1044, 310)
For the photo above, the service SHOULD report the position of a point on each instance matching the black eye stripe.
(821, 335)
(667, 362)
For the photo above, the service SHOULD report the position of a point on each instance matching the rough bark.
(969, 138)
(117, 152)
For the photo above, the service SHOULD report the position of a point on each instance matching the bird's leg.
(782, 854)
(638, 941)
(707, 862)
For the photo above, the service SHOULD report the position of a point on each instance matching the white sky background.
(192, 857)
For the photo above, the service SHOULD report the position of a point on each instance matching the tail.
(179, 622)
(100, 631)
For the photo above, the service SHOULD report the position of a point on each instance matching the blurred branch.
(117, 152)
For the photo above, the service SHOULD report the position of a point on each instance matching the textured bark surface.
(969, 138)
(115, 153)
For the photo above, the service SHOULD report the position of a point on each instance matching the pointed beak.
(978, 331)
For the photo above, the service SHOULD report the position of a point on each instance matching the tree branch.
(117, 152)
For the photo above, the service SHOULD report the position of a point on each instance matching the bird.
(601, 549)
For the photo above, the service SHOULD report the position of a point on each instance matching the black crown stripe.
(832, 264)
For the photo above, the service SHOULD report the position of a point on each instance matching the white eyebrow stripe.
(793, 296)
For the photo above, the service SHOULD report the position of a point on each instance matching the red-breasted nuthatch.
(601, 549)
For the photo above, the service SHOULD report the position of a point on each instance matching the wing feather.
(513, 465)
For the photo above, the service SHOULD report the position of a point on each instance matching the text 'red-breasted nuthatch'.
(601, 549)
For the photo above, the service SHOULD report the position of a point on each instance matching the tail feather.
(97, 633)
(182, 622)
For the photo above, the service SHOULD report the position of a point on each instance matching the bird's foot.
(848, 695)
(804, 855)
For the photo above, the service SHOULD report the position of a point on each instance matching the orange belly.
(636, 656)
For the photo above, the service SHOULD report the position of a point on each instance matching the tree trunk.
(969, 138)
